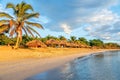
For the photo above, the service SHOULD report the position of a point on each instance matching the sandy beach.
(23, 63)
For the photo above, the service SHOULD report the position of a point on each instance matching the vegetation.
(96, 42)
(61, 41)
(4, 40)
(62, 38)
(83, 40)
(20, 21)
(72, 39)
(111, 45)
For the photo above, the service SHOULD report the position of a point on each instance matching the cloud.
(103, 17)
(66, 28)
(73, 12)
(106, 37)
(88, 28)
(103, 25)
(118, 33)
(96, 13)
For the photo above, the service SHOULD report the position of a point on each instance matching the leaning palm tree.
(20, 21)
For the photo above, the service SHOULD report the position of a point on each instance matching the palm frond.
(3, 14)
(10, 5)
(20, 7)
(32, 15)
(29, 31)
(3, 22)
(34, 24)
(27, 7)
(21, 4)
(25, 31)
(17, 7)
(34, 31)
(4, 28)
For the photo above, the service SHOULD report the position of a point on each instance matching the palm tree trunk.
(17, 43)
(18, 40)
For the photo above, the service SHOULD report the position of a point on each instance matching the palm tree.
(62, 38)
(83, 40)
(73, 38)
(19, 22)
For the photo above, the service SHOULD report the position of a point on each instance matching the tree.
(96, 42)
(83, 40)
(20, 21)
(73, 38)
(4, 40)
(111, 45)
(51, 37)
(62, 38)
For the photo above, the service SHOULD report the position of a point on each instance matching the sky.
(92, 19)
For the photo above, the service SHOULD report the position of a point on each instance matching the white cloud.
(118, 33)
(101, 24)
(88, 28)
(105, 36)
(66, 28)
(103, 17)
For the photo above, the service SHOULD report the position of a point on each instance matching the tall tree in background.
(96, 42)
(62, 38)
(83, 40)
(73, 38)
(18, 22)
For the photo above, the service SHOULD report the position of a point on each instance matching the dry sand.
(22, 63)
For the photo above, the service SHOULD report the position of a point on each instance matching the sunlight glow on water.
(101, 66)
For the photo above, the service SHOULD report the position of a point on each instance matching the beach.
(20, 64)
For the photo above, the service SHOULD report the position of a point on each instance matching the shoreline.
(21, 69)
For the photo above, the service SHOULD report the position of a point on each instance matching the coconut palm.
(62, 38)
(83, 40)
(73, 38)
(19, 22)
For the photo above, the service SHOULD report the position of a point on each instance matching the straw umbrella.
(63, 43)
(36, 43)
(74, 45)
(52, 43)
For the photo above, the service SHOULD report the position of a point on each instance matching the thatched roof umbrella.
(36, 43)
(68, 44)
(52, 43)
(81, 45)
(74, 45)
(84, 45)
(63, 43)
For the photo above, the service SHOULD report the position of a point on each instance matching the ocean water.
(100, 66)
